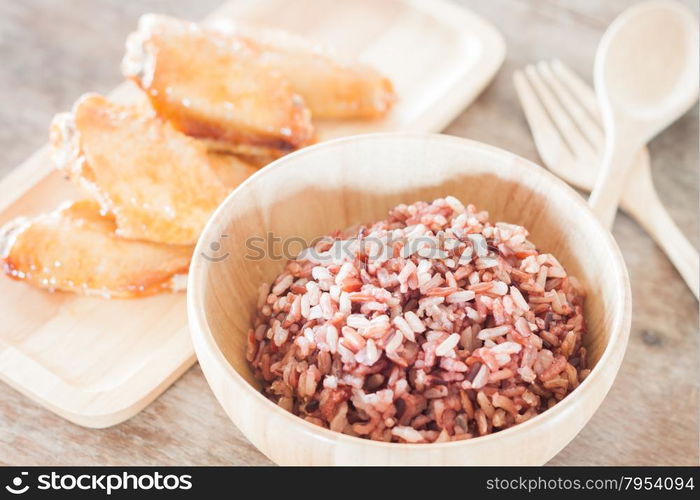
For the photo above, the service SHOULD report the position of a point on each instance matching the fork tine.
(548, 140)
(584, 92)
(568, 129)
(586, 124)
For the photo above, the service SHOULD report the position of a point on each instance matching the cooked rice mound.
(432, 325)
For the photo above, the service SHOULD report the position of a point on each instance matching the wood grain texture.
(53, 52)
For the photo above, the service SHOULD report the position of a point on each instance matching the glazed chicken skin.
(333, 86)
(75, 248)
(158, 183)
(212, 87)
(230, 169)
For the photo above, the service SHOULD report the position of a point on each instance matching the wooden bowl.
(358, 179)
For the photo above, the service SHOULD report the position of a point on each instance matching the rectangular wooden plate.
(98, 362)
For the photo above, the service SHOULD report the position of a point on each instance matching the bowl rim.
(202, 335)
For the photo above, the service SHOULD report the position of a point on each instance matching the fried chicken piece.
(332, 86)
(157, 182)
(256, 161)
(75, 248)
(230, 169)
(213, 87)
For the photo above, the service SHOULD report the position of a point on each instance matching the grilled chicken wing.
(212, 87)
(331, 85)
(230, 169)
(75, 248)
(158, 183)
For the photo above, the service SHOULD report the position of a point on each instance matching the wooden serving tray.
(98, 362)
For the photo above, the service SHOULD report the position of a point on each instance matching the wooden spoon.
(646, 77)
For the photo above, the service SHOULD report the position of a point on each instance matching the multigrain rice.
(433, 325)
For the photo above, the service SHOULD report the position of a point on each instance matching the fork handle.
(643, 203)
(607, 191)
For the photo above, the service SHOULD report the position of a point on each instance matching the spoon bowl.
(647, 66)
(646, 77)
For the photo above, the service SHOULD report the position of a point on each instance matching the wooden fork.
(563, 115)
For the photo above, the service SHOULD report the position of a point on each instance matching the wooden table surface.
(51, 52)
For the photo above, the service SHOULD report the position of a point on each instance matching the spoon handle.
(607, 191)
(643, 203)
